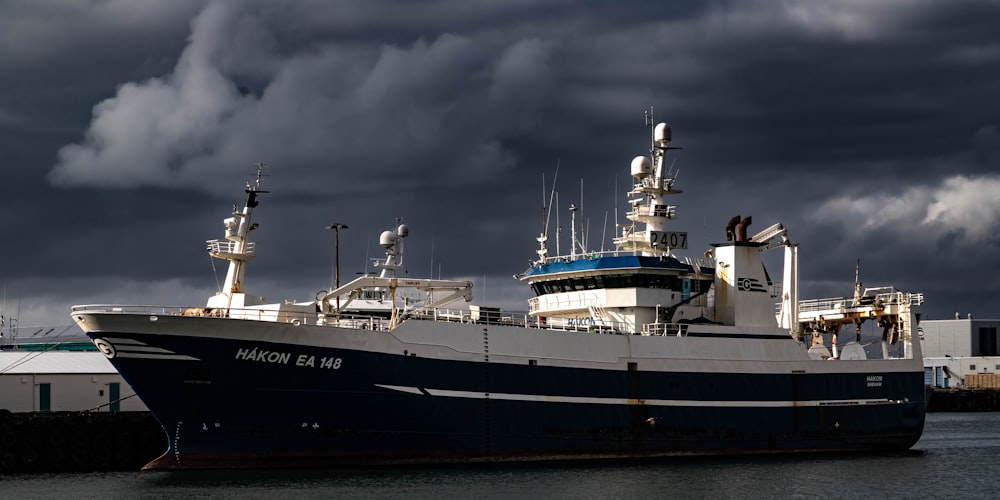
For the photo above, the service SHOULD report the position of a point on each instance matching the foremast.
(237, 248)
(648, 199)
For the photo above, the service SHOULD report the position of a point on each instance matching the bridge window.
(662, 281)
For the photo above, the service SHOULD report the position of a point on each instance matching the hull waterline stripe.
(626, 401)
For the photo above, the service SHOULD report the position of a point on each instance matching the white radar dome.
(662, 133)
(403, 231)
(641, 167)
(387, 239)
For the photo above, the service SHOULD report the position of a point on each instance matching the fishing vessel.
(636, 352)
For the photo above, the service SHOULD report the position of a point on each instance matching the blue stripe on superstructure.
(606, 263)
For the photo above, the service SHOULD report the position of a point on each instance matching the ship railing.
(482, 317)
(379, 323)
(253, 314)
(226, 247)
(347, 320)
(521, 319)
(664, 329)
(129, 309)
(664, 183)
(893, 298)
(697, 264)
(593, 255)
(373, 323)
(490, 317)
(825, 304)
(584, 325)
(667, 211)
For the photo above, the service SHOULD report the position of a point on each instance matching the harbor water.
(957, 457)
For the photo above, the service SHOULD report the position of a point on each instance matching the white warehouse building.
(63, 381)
(956, 348)
(59, 369)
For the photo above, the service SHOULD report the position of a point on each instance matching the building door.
(988, 341)
(114, 392)
(45, 397)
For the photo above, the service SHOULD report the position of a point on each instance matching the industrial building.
(58, 369)
(961, 353)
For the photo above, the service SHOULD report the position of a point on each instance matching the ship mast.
(237, 247)
(392, 243)
(648, 199)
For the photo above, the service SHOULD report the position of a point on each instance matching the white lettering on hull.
(283, 358)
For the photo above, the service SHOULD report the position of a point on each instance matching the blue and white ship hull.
(260, 394)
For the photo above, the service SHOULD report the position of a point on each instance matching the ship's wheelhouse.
(620, 280)
(616, 272)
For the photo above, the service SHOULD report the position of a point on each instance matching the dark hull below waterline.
(354, 452)
(289, 460)
(221, 410)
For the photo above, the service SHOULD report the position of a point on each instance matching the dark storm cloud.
(55, 51)
(329, 107)
(870, 129)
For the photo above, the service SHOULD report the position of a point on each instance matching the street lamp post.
(336, 226)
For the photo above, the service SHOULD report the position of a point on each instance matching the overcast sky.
(128, 128)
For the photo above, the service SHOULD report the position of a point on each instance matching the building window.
(972, 367)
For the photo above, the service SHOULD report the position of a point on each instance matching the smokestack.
(742, 236)
(731, 228)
